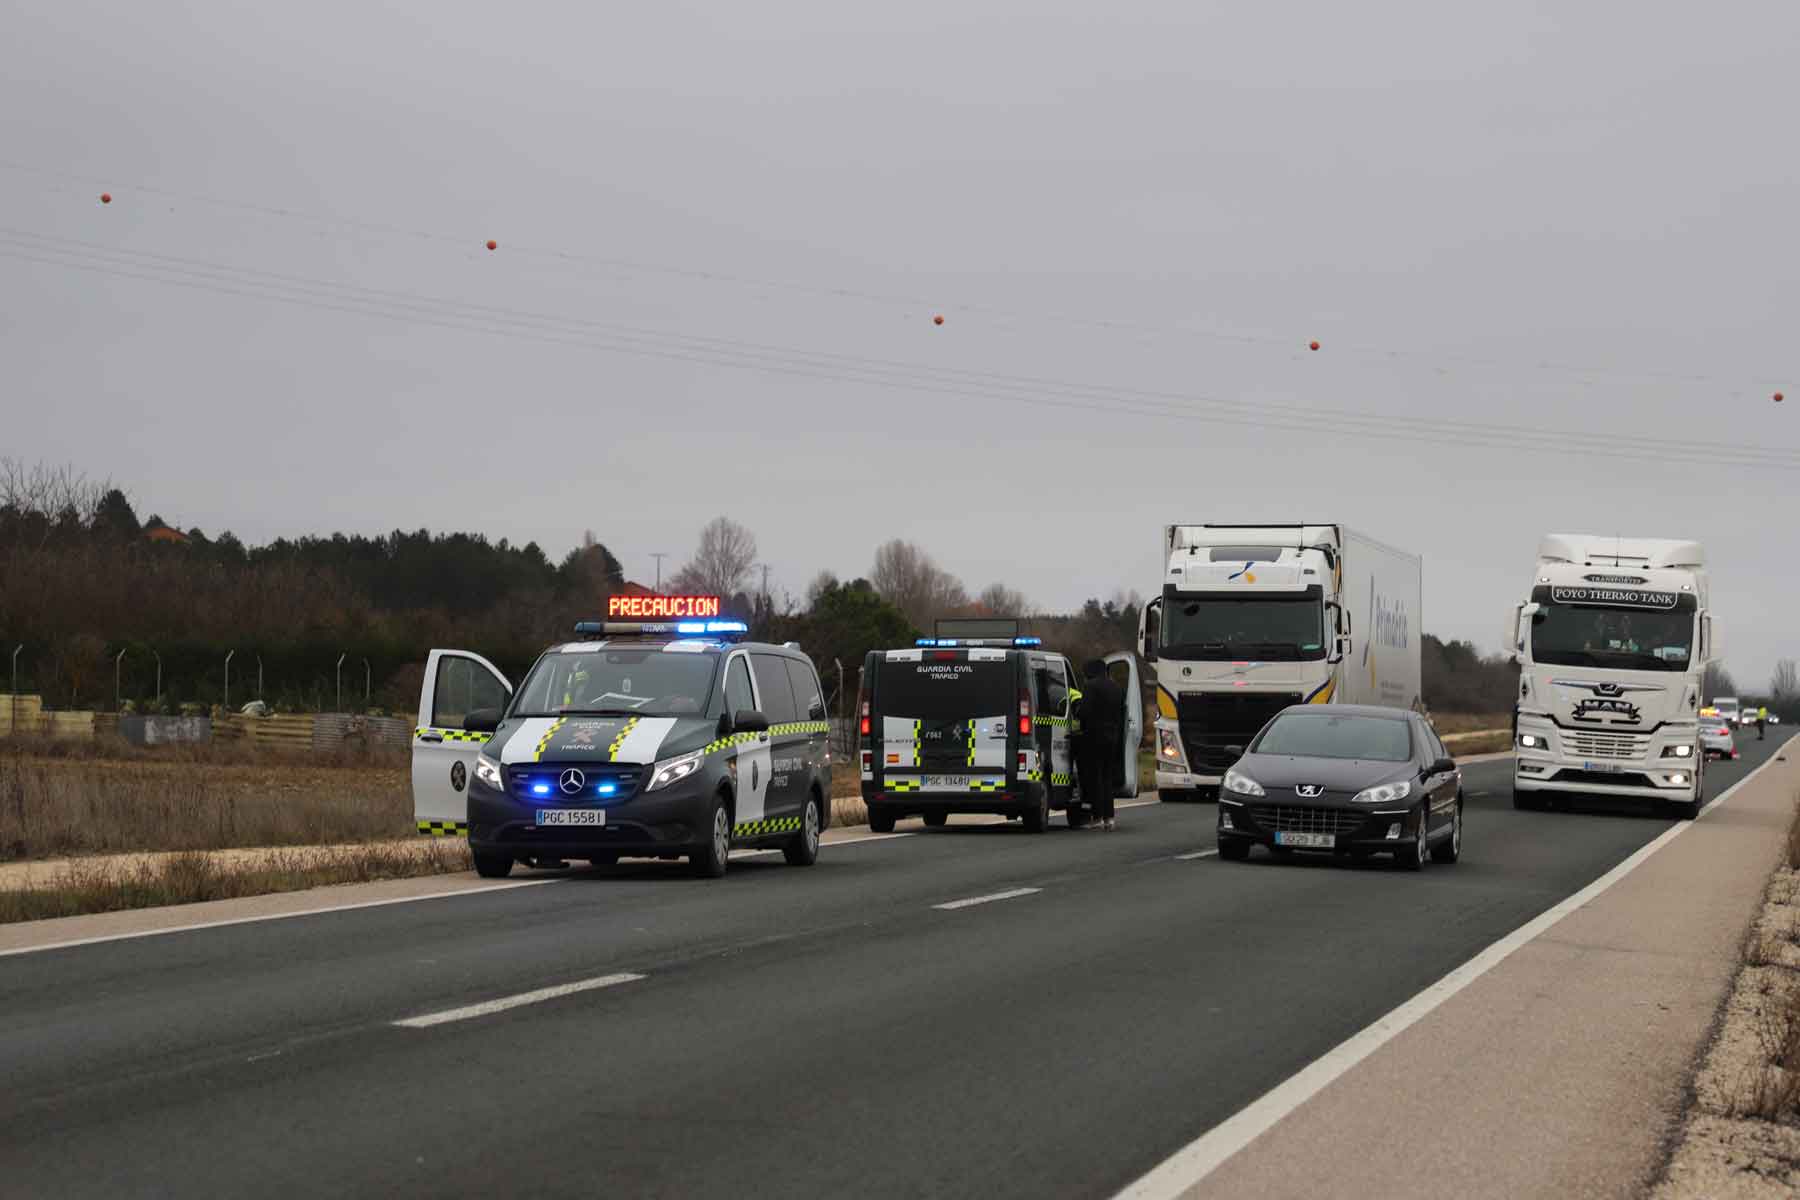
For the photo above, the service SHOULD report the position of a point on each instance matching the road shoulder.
(1564, 1069)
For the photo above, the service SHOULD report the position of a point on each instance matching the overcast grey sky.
(1461, 202)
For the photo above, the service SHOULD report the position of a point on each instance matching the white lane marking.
(307, 912)
(488, 1008)
(1195, 854)
(1206, 1153)
(988, 899)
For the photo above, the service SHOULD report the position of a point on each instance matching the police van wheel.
(802, 850)
(708, 862)
(493, 866)
(880, 822)
(1037, 818)
(936, 820)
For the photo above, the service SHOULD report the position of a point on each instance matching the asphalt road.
(816, 1031)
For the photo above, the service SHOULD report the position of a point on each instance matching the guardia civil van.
(665, 739)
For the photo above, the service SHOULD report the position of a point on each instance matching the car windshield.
(1638, 639)
(1329, 735)
(1219, 628)
(643, 681)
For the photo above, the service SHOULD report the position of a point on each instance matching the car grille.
(1303, 818)
(1212, 721)
(1585, 744)
(621, 778)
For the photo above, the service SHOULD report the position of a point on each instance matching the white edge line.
(1195, 854)
(1192, 1163)
(307, 912)
(1014, 894)
(489, 1007)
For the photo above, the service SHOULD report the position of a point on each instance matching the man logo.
(571, 782)
(1310, 790)
(1607, 689)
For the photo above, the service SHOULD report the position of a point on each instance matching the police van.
(978, 725)
(665, 739)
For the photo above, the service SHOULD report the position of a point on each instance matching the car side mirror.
(749, 720)
(482, 720)
(1443, 766)
(816, 711)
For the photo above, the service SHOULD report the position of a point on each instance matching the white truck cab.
(1611, 648)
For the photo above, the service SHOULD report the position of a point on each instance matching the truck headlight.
(672, 770)
(1168, 747)
(488, 771)
(1384, 793)
(1681, 751)
(1242, 784)
(1533, 741)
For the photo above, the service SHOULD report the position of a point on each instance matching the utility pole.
(659, 555)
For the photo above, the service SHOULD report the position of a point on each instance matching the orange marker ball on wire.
(492, 244)
(938, 320)
(1312, 345)
(106, 197)
(1779, 397)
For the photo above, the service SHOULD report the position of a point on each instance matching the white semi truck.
(1611, 646)
(1253, 618)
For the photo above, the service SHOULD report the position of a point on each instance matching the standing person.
(1101, 750)
(1762, 721)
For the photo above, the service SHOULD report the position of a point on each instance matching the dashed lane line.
(488, 1008)
(1195, 854)
(1013, 894)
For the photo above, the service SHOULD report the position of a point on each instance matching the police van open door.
(457, 683)
(1124, 670)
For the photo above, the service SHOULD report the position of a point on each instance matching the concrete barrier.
(165, 731)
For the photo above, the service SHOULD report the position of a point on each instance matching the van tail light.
(1024, 713)
(1021, 762)
(868, 762)
(862, 703)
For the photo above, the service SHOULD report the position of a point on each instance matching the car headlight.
(1534, 741)
(488, 771)
(1242, 784)
(1168, 746)
(672, 770)
(1384, 793)
(1681, 751)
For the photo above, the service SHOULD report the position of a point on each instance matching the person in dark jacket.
(1100, 751)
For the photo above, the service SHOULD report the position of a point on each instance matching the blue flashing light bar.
(540, 789)
(606, 789)
(979, 641)
(720, 628)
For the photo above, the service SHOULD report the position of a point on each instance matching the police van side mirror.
(749, 720)
(817, 711)
(481, 720)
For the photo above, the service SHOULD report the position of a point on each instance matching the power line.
(1264, 339)
(327, 296)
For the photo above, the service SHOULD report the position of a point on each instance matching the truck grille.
(1212, 721)
(1585, 744)
(1302, 818)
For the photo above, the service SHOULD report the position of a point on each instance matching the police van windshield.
(952, 688)
(1574, 635)
(646, 682)
(1261, 625)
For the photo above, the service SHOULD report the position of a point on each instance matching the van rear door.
(943, 719)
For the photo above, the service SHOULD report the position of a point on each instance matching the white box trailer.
(1253, 618)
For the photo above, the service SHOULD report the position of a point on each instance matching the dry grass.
(1447, 723)
(240, 753)
(55, 806)
(1769, 1087)
(107, 885)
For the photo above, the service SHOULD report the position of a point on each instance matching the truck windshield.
(1573, 635)
(1220, 628)
(646, 682)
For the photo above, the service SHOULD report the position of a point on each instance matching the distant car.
(1774, 719)
(1747, 719)
(1716, 740)
(1348, 779)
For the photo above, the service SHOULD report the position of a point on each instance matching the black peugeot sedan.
(1350, 780)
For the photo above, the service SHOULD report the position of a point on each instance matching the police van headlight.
(488, 771)
(673, 770)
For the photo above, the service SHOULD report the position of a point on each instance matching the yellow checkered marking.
(1054, 722)
(612, 751)
(444, 828)
(452, 735)
(538, 754)
(903, 785)
(1061, 779)
(766, 826)
(971, 743)
(800, 727)
(736, 739)
(987, 785)
(916, 727)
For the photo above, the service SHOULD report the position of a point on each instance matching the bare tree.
(1717, 682)
(1785, 683)
(821, 583)
(40, 501)
(906, 577)
(1002, 601)
(721, 566)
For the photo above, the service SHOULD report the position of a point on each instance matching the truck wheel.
(1685, 810)
(802, 850)
(1176, 796)
(709, 861)
(1037, 817)
(936, 820)
(1527, 801)
(880, 821)
(492, 866)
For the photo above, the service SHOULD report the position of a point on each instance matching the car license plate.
(1306, 841)
(571, 816)
(948, 783)
(1605, 768)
